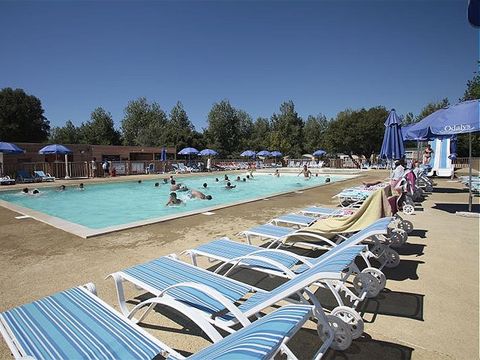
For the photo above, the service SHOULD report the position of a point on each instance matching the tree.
(180, 130)
(143, 123)
(100, 129)
(314, 132)
(224, 128)
(431, 108)
(287, 130)
(21, 117)
(472, 92)
(260, 136)
(246, 130)
(68, 134)
(358, 132)
(409, 119)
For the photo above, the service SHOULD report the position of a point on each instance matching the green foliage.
(431, 108)
(179, 130)
(409, 119)
(223, 131)
(287, 131)
(21, 117)
(260, 136)
(314, 132)
(68, 134)
(472, 91)
(143, 124)
(358, 132)
(100, 130)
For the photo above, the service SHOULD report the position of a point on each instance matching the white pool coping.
(86, 232)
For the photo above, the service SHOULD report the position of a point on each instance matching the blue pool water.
(118, 203)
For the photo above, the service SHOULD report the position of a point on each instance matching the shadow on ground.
(407, 269)
(453, 208)
(411, 249)
(418, 233)
(442, 190)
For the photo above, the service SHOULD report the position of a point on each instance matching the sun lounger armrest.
(214, 294)
(191, 313)
(310, 234)
(238, 261)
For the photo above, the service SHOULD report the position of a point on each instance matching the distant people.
(174, 186)
(182, 188)
(416, 169)
(173, 200)
(81, 187)
(35, 192)
(25, 190)
(427, 154)
(397, 175)
(171, 178)
(195, 194)
(244, 179)
(327, 179)
(93, 166)
(316, 174)
(229, 186)
(106, 168)
(306, 172)
(248, 177)
(251, 169)
(61, 188)
(139, 181)
(216, 179)
(165, 181)
(276, 173)
(238, 178)
(157, 184)
(226, 178)
(204, 185)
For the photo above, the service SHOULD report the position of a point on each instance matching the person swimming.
(25, 190)
(195, 194)
(204, 185)
(229, 186)
(238, 178)
(173, 200)
(276, 173)
(139, 181)
(225, 178)
(61, 188)
(157, 184)
(244, 180)
(165, 181)
(35, 192)
(81, 187)
(216, 179)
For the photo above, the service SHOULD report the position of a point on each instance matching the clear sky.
(325, 56)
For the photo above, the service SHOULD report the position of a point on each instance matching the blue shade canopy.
(55, 149)
(276, 153)
(188, 151)
(263, 153)
(461, 118)
(248, 153)
(319, 152)
(392, 145)
(9, 148)
(207, 152)
(408, 136)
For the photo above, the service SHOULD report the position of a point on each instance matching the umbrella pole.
(469, 172)
(66, 167)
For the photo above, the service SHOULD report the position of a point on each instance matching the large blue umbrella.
(263, 153)
(392, 145)
(319, 153)
(276, 153)
(461, 118)
(248, 153)
(8, 148)
(207, 152)
(55, 149)
(188, 151)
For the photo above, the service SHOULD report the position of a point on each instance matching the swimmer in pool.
(81, 187)
(195, 194)
(173, 200)
(238, 178)
(61, 188)
(157, 184)
(204, 185)
(229, 186)
(306, 172)
(25, 190)
(277, 173)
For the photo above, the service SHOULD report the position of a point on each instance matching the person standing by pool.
(209, 164)
(173, 200)
(93, 166)
(427, 154)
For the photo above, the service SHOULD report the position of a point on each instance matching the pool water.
(119, 203)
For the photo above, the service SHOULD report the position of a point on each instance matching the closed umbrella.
(57, 149)
(392, 145)
(461, 118)
(8, 148)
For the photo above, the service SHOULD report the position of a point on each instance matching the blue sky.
(325, 56)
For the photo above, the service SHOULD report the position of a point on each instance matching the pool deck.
(430, 310)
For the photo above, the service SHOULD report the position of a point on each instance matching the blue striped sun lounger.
(323, 211)
(223, 301)
(75, 324)
(294, 219)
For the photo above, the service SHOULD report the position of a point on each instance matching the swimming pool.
(106, 207)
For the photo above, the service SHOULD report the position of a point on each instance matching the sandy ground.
(429, 310)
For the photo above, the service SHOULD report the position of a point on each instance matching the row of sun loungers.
(24, 177)
(77, 324)
(309, 163)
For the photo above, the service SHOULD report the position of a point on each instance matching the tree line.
(229, 130)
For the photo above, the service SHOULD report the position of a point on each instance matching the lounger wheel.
(406, 225)
(379, 277)
(429, 188)
(342, 337)
(397, 238)
(408, 209)
(363, 283)
(390, 258)
(351, 318)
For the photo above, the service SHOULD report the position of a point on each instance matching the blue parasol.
(248, 153)
(55, 149)
(188, 151)
(263, 153)
(207, 152)
(392, 145)
(276, 153)
(319, 153)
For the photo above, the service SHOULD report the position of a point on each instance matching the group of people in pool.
(27, 191)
